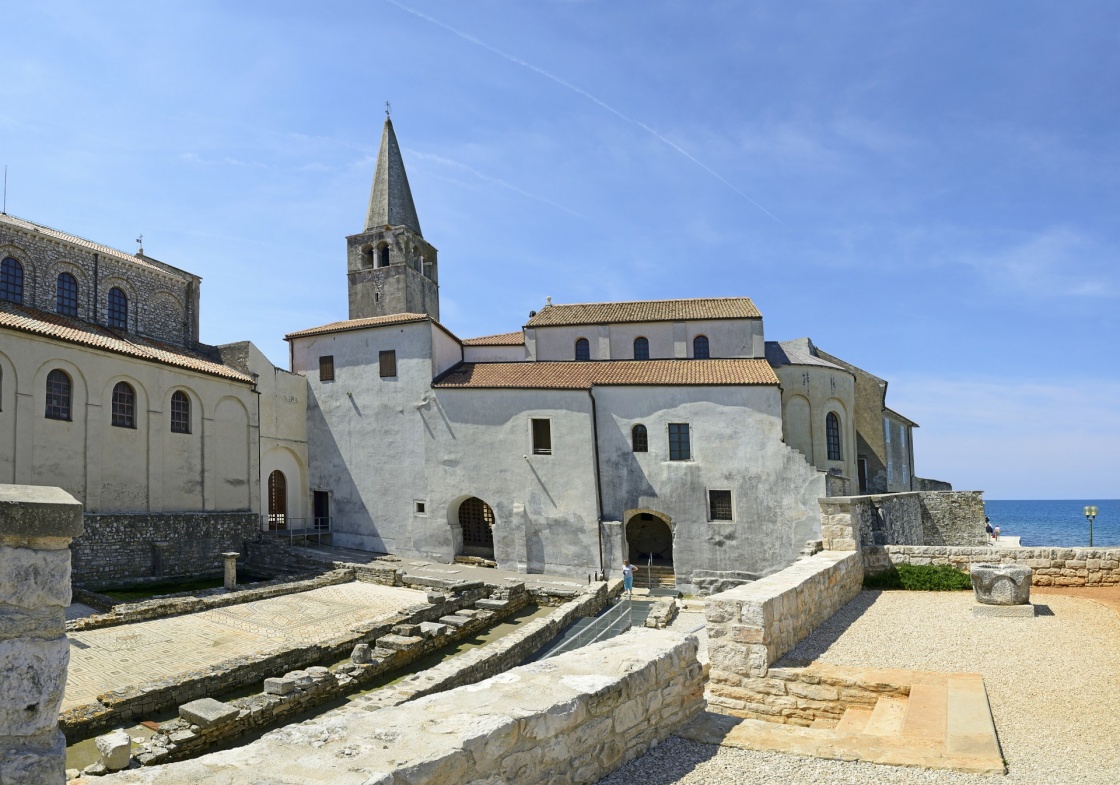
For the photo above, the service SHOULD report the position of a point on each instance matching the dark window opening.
(326, 368)
(277, 500)
(321, 509)
(180, 412)
(66, 295)
(832, 432)
(124, 405)
(641, 349)
(719, 505)
(679, 447)
(383, 256)
(388, 361)
(583, 349)
(639, 438)
(11, 281)
(700, 347)
(421, 508)
(542, 437)
(58, 396)
(118, 308)
(477, 522)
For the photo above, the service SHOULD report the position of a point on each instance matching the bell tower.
(391, 268)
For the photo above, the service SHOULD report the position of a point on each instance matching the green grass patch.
(919, 577)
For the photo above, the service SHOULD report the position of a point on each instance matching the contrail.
(517, 60)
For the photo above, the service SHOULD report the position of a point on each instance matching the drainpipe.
(598, 483)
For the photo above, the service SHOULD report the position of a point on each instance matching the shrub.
(919, 577)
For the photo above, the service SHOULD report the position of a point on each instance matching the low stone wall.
(572, 719)
(926, 484)
(158, 608)
(116, 548)
(751, 626)
(1051, 566)
(953, 518)
(36, 526)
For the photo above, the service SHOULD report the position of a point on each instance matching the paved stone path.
(115, 657)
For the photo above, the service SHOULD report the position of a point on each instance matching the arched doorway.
(277, 500)
(477, 521)
(649, 545)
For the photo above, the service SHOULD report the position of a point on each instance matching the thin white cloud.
(580, 91)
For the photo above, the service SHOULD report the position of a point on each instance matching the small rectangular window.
(679, 447)
(326, 368)
(542, 437)
(887, 430)
(388, 363)
(421, 508)
(719, 505)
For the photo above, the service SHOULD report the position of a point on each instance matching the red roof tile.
(646, 311)
(359, 324)
(583, 375)
(501, 339)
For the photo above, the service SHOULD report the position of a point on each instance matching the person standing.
(988, 528)
(628, 576)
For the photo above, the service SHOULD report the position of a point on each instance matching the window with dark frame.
(58, 395)
(326, 368)
(583, 349)
(383, 256)
(388, 362)
(641, 349)
(832, 433)
(118, 308)
(124, 405)
(66, 295)
(421, 508)
(700, 347)
(11, 281)
(719, 506)
(542, 437)
(679, 447)
(639, 438)
(180, 412)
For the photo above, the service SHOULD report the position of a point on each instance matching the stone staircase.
(944, 723)
(656, 577)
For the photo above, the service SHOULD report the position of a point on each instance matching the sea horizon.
(1056, 522)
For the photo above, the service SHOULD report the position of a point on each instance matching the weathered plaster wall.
(114, 469)
(667, 340)
(809, 394)
(495, 354)
(116, 547)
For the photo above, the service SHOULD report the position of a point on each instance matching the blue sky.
(929, 190)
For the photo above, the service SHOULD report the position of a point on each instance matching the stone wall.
(925, 484)
(952, 518)
(1051, 566)
(36, 525)
(750, 627)
(572, 719)
(118, 548)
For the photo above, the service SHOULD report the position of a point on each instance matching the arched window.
(641, 349)
(583, 349)
(383, 256)
(277, 500)
(180, 412)
(832, 432)
(124, 405)
(639, 438)
(66, 295)
(700, 347)
(477, 521)
(11, 281)
(118, 308)
(58, 395)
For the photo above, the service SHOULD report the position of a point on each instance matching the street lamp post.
(1090, 514)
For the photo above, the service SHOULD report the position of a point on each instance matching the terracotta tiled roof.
(359, 324)
(646, 311)
(52, 325)
(105, 250)
(502, 339)
(583, 375)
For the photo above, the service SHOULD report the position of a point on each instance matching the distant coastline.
(1056, 522)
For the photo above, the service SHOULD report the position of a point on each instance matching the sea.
(1056, 522)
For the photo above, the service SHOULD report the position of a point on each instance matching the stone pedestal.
(231, 569)
(36, 526)
(1001, 584)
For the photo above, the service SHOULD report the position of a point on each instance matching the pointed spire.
(390, 201)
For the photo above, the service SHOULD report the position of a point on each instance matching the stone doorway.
(477, 522)
(649, 547)
(277, 500)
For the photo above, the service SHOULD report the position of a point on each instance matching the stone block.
(1004, 611)
(207, 712)
(302, 678)
(361, 654)
(32, 511)
(1001, 584)
(455, 620)
(279, 686)
(115, 750)
(32, 680)
(408, 630)
(34, 578)
(491, 605)
(397, 642)
(431, 629)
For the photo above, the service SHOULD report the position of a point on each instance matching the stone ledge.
(1005, 611)
(33, 511)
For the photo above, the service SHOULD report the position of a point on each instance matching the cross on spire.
(140, 241)
(388, 109)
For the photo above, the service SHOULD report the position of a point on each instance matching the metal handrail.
(618, 616)
(649, 573)
(297, 528)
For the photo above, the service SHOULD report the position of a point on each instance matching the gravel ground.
(1053, 683)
